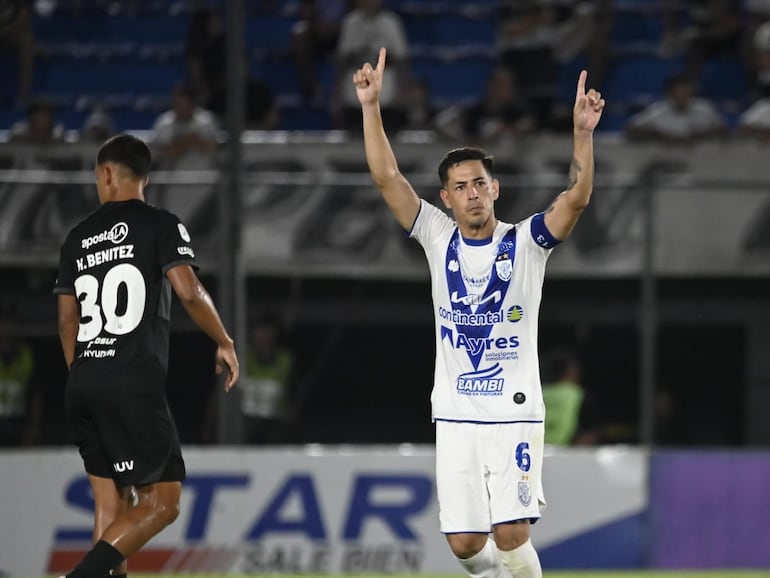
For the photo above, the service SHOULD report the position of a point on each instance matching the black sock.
(98, 562)
(119, 575)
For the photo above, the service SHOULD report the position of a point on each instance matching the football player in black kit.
(116, 273)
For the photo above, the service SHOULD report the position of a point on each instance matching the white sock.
(523, 561)
(484, 564)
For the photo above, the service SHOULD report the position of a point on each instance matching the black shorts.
(130, 437)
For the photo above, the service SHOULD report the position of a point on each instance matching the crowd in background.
(535, 42)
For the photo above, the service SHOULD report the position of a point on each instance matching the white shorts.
(487, 474)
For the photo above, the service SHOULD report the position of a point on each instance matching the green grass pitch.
(588, 574)
(547, 574)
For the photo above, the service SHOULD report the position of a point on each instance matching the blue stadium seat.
(123, 29)
(635, 79)
(268, 34)
(8, 116)
(132, 119)
(454, 81)
(128, 76)
(279, 74)
(450, 32)
(724, 81)
(455, 30)
(305, 118)
(418, 30)
(637, 28)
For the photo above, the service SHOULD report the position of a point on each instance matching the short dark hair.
(456, 156)
(675, 80)
(129, 151)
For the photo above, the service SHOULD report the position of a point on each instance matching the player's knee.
(466, 546)
(167, 512)
(511, 536)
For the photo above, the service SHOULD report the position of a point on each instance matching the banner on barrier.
(310, 208)
(327, 512)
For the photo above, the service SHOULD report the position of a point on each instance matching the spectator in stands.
(314, 39)
(571, 414)
(265, 385)
(205, 52)
(98, 126)
(757, 12)
(584, 29)
(755, 121)
(760, 61)
(16, 35)
(500, 113)
(713, 30)
(39, 127)
(416, 112)
(678, 118)
(187, 133)
(185, 138)
(261, 108)
(205, 57)
(527, 36)
(16, 365)
(363, 31)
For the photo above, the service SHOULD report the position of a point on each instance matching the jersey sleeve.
(65, 278)
(174, 244)
(431, 224)
(535, 238)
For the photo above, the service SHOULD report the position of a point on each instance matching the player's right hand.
(368, 80)
(226, 358)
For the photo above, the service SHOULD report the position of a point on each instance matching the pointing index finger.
(381, 60)
(581, 85)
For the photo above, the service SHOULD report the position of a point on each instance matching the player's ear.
(495, 189)
(445, 198)
(145, 181)
(107, 171)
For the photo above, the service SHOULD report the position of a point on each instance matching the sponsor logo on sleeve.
(183, 232)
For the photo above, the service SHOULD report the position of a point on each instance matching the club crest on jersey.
(504, 269)
(453, 266)
(525, 496)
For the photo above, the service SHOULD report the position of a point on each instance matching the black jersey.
(115, 264)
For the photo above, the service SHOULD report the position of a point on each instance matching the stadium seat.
(115, 30)
(268, 35)
(637, 29)
(724, 81)
(94, 77)
(305, 118)
(454, 81)
(638, 79)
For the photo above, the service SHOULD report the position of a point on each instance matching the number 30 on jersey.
(104, 309)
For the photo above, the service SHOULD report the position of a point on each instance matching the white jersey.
(486, 300)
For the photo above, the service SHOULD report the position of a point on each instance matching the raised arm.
(396, 190)
(566, 209)
(198, 304)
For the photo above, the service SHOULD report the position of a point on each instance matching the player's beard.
(478, 220)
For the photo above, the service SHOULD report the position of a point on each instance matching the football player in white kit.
(487, 279)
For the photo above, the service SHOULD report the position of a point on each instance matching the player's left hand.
(588, 106)
(227, 359)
